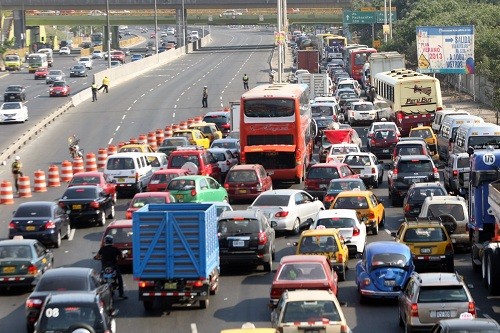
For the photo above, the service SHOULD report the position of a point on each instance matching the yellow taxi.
(426, 133)
(194, 136)
(328, 242)
(210, 130)
(367, 205)
(136, 148)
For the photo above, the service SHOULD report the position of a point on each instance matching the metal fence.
(477, 86)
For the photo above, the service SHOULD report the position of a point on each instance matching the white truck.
(235, 115)
(319, 84)
(380, 62)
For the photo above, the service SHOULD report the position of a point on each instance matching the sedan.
(94, 178)
(41, 220)
(14, 93)
(384, 270)
(142, 199)
(64, 50)
(342, 184)
(416, 195)
(288, 209)
(59, 88)
(78, 70)
(54, 75)
(41, 73)
(382, 142)
(11, 112)
(22, 261)
(196, 189)
(228, 143)
(64, 279)
(136, 57)
(87, 204)
(86, 61)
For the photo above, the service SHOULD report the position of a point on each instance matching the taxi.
(426, 133)
(368, 206)
(328, 242)
(194, 136)
(210, 130)
(136, 148)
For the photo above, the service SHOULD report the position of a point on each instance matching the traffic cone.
(183, 125)
(77, 165)
(40, 182)
(168, 132)
(23, 183)
(54, 179)
(112, 149)
(152, 140)
(190, 121)
(175, 127)
(198, 119)
(90, 162)
(159, 136)
(142, 139)
(66, 171)
(6, 194)
(102, 155)
(121, 144)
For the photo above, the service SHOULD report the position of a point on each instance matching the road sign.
(366, 17)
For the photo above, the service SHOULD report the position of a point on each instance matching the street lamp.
(183, 25)
(108, 27)
(156, 29)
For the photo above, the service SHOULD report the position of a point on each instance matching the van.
(49, 53)
(130, 172)
(448, 132)
(158, 161)
(476, 136)
(439, 117)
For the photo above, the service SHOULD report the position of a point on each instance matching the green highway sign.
(361, 17)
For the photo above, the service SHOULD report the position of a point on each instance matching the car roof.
(226, 140)
(387, 247)
(320, 232)
(413, 157)
(282, 192)
(317, 295)
(240, 167)
(38, 203)
(327, 165)
(169, 171)
(440, 279)
(192, 177)
(445, 199)
(120, 224)
(151, 194)
(303, 258)
(217, 113)
(359, 153)
(475, 323)
(88, 173)
(84, 187)
(427, 184)
(337, 213)
(18, 242)
(68, 271)
(72, 297)
(218, 150)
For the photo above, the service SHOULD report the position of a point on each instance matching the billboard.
(446, 50)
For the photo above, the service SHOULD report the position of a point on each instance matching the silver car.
(55, 75)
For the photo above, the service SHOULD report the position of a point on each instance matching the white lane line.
(151, 89)
(175, 106)
(388, 231)
(71, 234)
(124, 116)
(159, 84)
(134, 102)
(117, 128)
(129, 108)
(194, 329)
(182, 93)
(143, 95)
(110, 140)
(173, 115)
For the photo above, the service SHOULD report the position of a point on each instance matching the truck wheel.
(148, 305)
(204, 303)
(484, 266)
(493, 273)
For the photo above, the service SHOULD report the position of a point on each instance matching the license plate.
(415, 180)
(170, 285)
(76, 206)
(434, 258)
(385, 150)
(121, 180)
(9, 269)
(443, 314)
(311, 331)
(30, 228)
(389, 283)
(238, 243)
(179, 196)
(425, 250)
(242, 191)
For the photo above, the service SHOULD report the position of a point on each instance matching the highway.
(166, 95)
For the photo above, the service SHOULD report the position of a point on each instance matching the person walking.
(94, 91)
(16, 171)
(204, 100)
(245, 82)
(105, 84)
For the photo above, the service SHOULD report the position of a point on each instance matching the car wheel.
(375, 229)
(68, 231)
(382, 222)
(296, 227)
(57, 243)
(148, 305)
(493, 272)
(204, 303)
(102, 218)
(112, 213)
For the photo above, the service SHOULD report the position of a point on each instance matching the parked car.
(44, 221)
(11, 112)
(160, 179)
(59, 88)
(367, 166)
(417, 194)
(342, 184)
(247, 181)
(78, 71)
(196, 188)
(14, 93)
(121, 230)
(96, 178)
(142, 199)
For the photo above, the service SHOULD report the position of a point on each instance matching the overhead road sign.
(366, 17)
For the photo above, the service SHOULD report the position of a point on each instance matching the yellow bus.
(336, 40)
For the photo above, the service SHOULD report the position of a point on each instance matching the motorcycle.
(109, 275)
(74, 149)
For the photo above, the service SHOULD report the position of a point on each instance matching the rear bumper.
(17, 281)
(379, 294)
(243, 258)
(44, 237)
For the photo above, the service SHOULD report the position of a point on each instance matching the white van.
(50, 55)
(130, 171)
(448, 132)
(158, 161)
(477, 136)
(439, 117)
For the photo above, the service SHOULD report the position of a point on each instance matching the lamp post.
(108, 40)
(156, 29)
(183, 25)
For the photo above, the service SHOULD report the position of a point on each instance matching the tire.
(268, 266)
(204, 303)
(382, 222)
(57, 243)
(82, 326)
(102, 219)
(148, 305)
(296, 227)
(475, 267)
(68, 231)
(341, 274)
(375, 229)
(112, 213)
(493, 274)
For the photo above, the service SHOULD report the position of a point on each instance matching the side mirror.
(393, 234)
(295, 244)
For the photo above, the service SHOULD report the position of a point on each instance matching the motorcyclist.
(109, 255)
(74, 149)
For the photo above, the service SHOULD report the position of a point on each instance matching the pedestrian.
(245, 82)
(105, 84)
(16, 171)
(204, 100)
(94, 91)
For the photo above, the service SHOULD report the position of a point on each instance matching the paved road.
(168, 95)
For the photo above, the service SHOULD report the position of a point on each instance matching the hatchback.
(196, 189)
(410, 147)
(78, 70)
(160, 179)
(121, 230)
(456, 173)
(416, 196)
(246, 182)
(228, 143)
(382, 143)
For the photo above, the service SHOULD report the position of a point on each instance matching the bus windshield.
(34, 59)
(269, 108)
(483, 142)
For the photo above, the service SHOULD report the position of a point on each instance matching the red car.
(121, 230)
(319, 175)
(160, 179)
(119, 56)
(59, 88)
(94, 178)
(382, 142)
(303, 272)
(142, 199)
(247, 181)
(41, 73)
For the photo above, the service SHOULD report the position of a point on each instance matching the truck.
(13, 62)
(319, 84)
(175, 253)
(234, 108)
(484, 216)
(309, 60)
(380, 62)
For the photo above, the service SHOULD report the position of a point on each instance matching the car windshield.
(14, 89)
(317, 244)
(15, 251)
(59, 84)
(238, 227)
(363, 107)
(34, 211)
(238, 176)
(79, 67)
(346, 185)
(57, 318)
(224, 144)
(336, 222)
(413, 166)
(11, 106)
(442, 294)
(84, 59)
(323, 122)
(272, 200)
(181, 184)
(219, 120)
(143, 201)
(62, 283)
(80, 193)
(424, 234)
(173, 142)
(323, 173)
(301, 271)
(385, 134)
(351, 203)
(337, 150)
(406, 149)
(421, 133)
(120, 235)
(219, 156)
(455, 210)
(55, 73)
(388, 259)
(303, 311)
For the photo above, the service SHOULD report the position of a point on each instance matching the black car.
(170, 144)
(246, 237)
(407, 170)
(466, 325)
(70, 311)
(64, 280)
(88, 204)
(416, 195)
(220, 118)
(14, 93)
(78, 70)
(41, 220)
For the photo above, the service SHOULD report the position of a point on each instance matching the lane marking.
(71, 234)
(110, 140)
(388, 231)
(194, 329)
(117, 128)
(124, 116)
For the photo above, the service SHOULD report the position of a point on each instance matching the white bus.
(36, 60)
(477, 136)
(413, 97)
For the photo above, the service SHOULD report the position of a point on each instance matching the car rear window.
(162, 178)
(224, 144)
(322, 173)
(177, 161)
(388, 259)
(317, 244)
(420, 235)
(385, 134)
(241, 176)
(403, 150)
(302, 271)
(272, 200)
(463, 162)
(363, 107)
(173, 142)
(419, 194)
(80, 193)
(337, 222)
(60, 317)
(15, 251)
(455, 210)
(442, 294)
(415, 166)
(84, 180)
(181, 184)
(302, 311)
(238, 227)
(421, 133)
(219, 156)
(357, 160)
(120, 235)
(219, 119)
(11, 106)
(62, 283)
(33, 211)
(322, 110)
(120, 163)
(351, 203)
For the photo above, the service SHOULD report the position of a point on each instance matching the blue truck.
(175, 251)
(484, 216)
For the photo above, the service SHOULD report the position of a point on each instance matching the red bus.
(356, 60)
(276, 130)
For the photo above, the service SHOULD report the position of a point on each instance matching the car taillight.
(355, 232)
(340, 257)
(12, 225)
(262, 238)
(329, 198)
(226, 186)
(281, 214)
(225, 126)
(50, 224)
(449, 248)
(455, 173)
(145, 284)
(228, 163)
(414, 310)
(198, 283)
(32, 270)
(128, 215)
(436, 174)
(371, 215)
(33, 303)
(344, 329)
(400, 117)
(193, 193)
(472, 308)
(276, 292)
(395, 174)
(94, 204)
(406, 208)
(373, 170)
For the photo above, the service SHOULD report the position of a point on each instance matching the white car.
(225, 159)
(96, 13)
(13, 112)
(367, 165)
(64, 50)
(97, 54)
(339, 150)
(382, 125)
(351, 84)
(288, 209)
(87, 61)
(347, 222)
(361, 112)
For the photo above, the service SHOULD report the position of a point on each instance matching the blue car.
(383, 270)
(136, 57)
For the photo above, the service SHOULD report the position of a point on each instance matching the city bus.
(36, 60)
(335, 40)
(97, 38)
(356, 59)
(413, 97)
(277, 130)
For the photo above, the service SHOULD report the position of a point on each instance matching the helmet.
(205, 87)
(17, 158)
(108, 240)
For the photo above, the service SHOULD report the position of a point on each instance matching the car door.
(216, 191)
(44, 257)
(378, 207)
(306, 207)
(405, 300)
(62, 217)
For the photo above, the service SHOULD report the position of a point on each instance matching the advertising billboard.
(446, 50)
